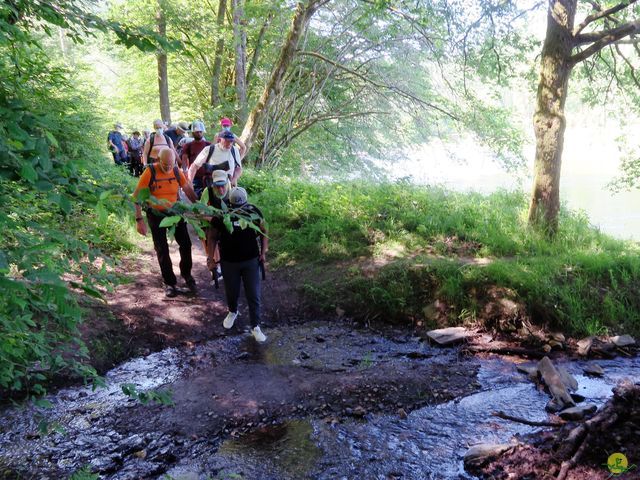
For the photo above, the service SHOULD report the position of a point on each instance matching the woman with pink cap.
(226, 125)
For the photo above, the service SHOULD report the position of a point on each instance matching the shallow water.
(428, 444)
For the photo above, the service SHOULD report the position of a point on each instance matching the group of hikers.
(181, 158)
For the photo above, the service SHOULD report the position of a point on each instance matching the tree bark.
(217, 63)
(163, 77)
(549, 121)
(258, 48)
(240, 45)
(272, 90)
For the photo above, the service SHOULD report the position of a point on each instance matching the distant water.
(615, 214)
(466, 166)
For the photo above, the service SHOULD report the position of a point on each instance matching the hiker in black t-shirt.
(242, 255)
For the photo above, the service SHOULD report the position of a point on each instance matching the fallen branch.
(523, 352)
(531, 423)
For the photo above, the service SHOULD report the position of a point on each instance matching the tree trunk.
(217, 64)
(549, 120)
(163, 77)
(258, 48)
(240, 44)
(274, 87)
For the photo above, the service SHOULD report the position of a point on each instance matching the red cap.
(225, 122)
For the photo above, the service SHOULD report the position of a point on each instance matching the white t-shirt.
(220, 156)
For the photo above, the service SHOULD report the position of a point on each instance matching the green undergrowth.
(388, 251)
(64, 221)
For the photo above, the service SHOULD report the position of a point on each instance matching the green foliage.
(84, 474)
(431, 244)
(161, 397)
(59, 223)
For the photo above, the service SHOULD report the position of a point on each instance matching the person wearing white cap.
(241, 258)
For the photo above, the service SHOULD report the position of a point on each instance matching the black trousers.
(247, 272)
(161, 246)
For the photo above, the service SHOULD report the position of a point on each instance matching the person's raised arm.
(242, 148)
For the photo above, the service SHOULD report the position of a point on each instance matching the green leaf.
(4, 263)
(51, 138)
(143, 195)
(92, 292)
(227, 223)
(44, 185)
(204, 199)
(170, 221)
(65, 204)
(28, 172)
(42, 403)
(102, 213)
(104, 195)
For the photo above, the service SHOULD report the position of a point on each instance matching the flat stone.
(577, 413)
(556, 382)
(479, 454)
(623, 340)
(449, 336)
(569, 381)
(593, 369)
(584, 346)
(557, 336)
(160, 320)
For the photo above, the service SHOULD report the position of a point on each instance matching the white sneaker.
(258, 335)
(229, 319)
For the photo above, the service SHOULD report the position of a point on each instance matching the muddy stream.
(317, 401)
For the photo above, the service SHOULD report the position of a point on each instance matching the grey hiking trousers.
(249, 273)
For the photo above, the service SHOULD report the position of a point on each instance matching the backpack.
(212, 148)
(152, 139)
(153, 180)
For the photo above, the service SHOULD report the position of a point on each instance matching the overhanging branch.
(601, 14)
(604, 38)
(384, 86)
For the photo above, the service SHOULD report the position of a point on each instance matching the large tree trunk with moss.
(273, 89)
(549, 120)
(163, 76)
(217, 62)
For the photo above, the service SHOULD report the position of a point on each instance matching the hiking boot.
(229, 319)
(170, 291)
(191, 285)
(258, 335)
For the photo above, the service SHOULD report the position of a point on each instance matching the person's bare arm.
(264, 242)
(145, 151)
(236, 174)
(141, 226)
(188, 191)
(175, 150)
(242, 148)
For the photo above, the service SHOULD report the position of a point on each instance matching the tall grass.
(424, 241)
